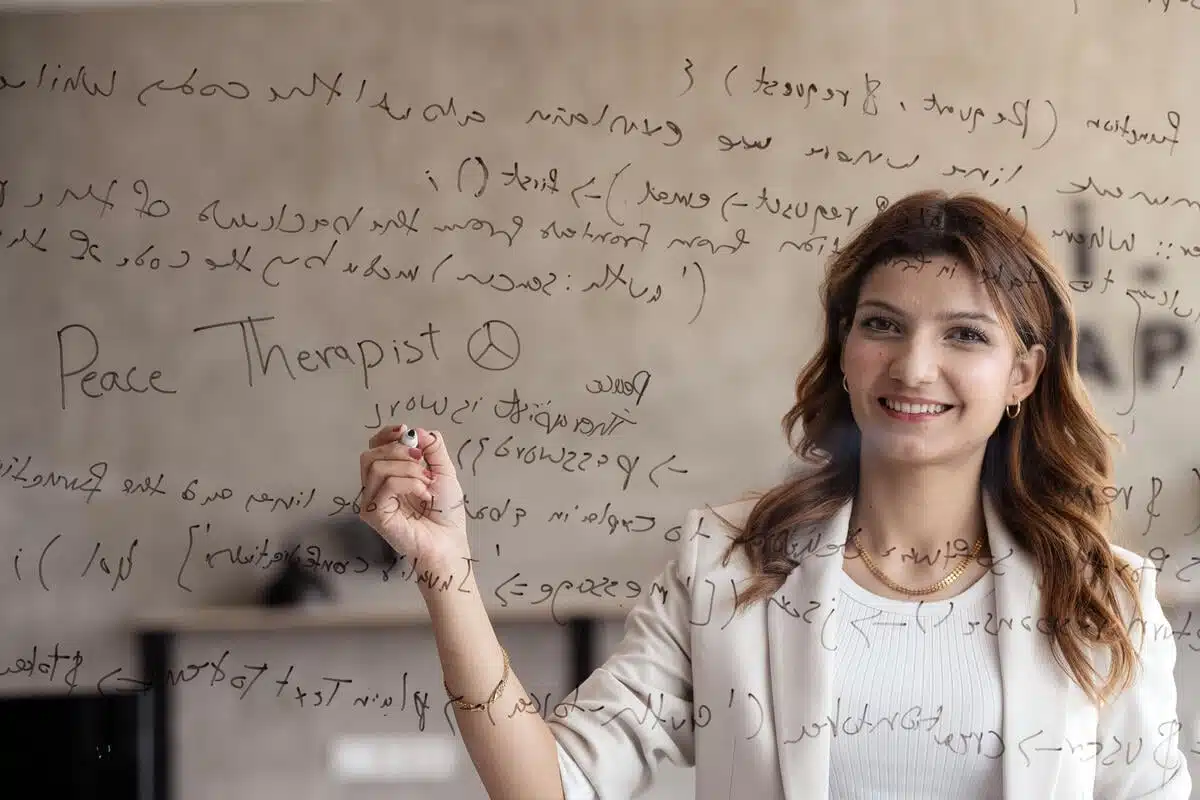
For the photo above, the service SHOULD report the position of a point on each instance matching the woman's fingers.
(381, 469)
(397, 493)
(389, 449)
(392, 474)
(391, 433)
(437, 456)
(384, 453)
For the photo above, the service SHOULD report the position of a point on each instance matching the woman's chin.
(905, 451)
(917, 452)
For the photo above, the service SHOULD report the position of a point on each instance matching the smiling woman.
(936, 353)
(933, 383)
(936, 565)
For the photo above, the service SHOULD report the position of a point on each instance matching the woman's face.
(929, 368)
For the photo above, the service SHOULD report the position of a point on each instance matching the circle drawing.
(494, 346)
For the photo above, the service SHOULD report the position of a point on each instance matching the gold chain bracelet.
(465, 706)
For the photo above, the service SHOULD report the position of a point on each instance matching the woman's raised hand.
(416, 507)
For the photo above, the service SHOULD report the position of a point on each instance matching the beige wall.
(281, 440)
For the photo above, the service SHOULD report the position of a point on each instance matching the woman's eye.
(972, 335)
(876, 323)
(883, 325)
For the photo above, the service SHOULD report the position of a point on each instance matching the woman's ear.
(1026, 371)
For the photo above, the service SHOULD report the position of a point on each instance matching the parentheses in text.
(608, 196)
(724, 215)
(1054, 130)
(41, 560)
(703, 289)
(482, 444)
(433, 275)
(458, 455)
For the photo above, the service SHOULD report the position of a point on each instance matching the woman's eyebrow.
(944, 316)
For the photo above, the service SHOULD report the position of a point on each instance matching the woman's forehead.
(927, 285)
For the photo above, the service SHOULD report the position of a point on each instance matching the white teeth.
(911, 408)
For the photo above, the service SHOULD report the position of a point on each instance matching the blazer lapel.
(1034, 685)
(801, 635)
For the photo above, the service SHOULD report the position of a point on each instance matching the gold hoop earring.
(1012, 409)
(844, 385)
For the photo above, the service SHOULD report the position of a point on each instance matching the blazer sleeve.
(1145, 715)
(630, 714)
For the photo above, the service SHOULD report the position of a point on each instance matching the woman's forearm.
(514, 753)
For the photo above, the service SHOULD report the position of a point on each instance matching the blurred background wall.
(581, 240)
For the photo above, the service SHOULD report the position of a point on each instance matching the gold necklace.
(954, 575)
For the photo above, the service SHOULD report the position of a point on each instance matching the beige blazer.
(746, 699)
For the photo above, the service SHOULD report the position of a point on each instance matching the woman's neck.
(922, 511)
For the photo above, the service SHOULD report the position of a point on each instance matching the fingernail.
(416, 452)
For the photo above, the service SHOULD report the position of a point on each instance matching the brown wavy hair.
(1044, 468)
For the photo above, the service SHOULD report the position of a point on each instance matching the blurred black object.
(294, 585)
(71, 747)
(362, 541)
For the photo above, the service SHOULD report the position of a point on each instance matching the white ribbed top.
(917, 697)
(917, 700)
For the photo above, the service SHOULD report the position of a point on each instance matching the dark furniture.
(156, 639)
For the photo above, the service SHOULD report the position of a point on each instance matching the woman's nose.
(915, 362)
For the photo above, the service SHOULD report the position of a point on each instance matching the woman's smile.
(916, 410)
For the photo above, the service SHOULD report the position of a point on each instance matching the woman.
(932, 609)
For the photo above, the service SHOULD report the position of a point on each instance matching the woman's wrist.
(446, 573)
